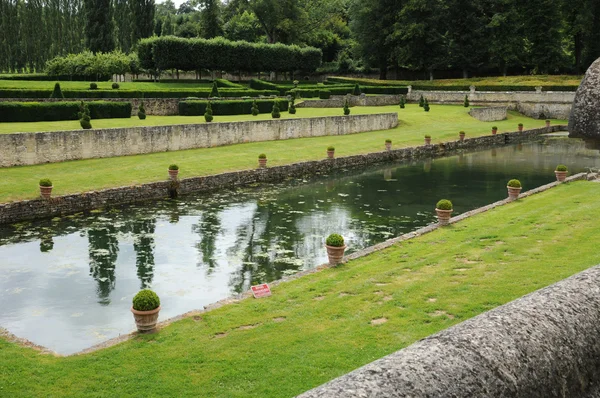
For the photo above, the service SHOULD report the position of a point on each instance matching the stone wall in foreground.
(545, 344)
(69, 204)
(58, 146)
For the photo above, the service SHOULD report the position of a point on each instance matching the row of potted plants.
(444, 207)
(46, 185)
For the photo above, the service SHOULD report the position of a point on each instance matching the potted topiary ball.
(443, 209)
(262, 160)
(335, 248)
(520, 126)
(514, 189)
(388, 144)
(461, 135)
(561, 172)
(330, 152)
(427, 139)
(173, 171)
(145, 309)
(46, 188)
(494, 130)
(547, 122)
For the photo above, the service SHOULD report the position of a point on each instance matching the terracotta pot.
(46, 192)
(520, 128)
(427, 141)
(388, 146)
(547, 123)
(462, 136)
(561, 175)
(513, 193)
(173, 174)
(335, 254)
(330, 154)
(145, 320)
(494, 131)
(262, 163)
(443, 216)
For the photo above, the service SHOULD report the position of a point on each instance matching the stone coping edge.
(31, 209)
(242, 296)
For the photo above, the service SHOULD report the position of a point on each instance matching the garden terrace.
(328, 323)
(511, 83)
(17, 183)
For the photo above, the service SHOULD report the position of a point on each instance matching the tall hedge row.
(233, 107)
(170, 52)
(200, 93)
(54, 111)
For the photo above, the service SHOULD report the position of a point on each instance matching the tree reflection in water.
(103, 247)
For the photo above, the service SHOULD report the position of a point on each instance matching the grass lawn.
(443, 123)
(526, 80)
(319, 327)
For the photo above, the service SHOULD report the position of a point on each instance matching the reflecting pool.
(67, 283)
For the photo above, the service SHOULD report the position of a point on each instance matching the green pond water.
(67, 283)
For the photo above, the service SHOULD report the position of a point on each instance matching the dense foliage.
(561, 167)
(89, 65)
(146, 300)
(413, 38)
(198, 93)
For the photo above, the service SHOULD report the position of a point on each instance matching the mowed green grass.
(525, 80)
(319, 327)
(443, 123)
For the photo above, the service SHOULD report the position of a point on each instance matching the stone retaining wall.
(490, 114)
(57, 146)
(538, 105)
(337, 101)
(545, 344)
(68, 204)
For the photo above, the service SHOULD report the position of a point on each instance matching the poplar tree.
(99, 28)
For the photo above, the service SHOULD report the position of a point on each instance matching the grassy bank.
(321, 326)
(527, 80)
(442, 123)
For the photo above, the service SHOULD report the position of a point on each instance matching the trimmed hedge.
(196, 81)
(233, 107)
(390, 90)
(257, 84)
(63, 110)
(47, 78)
(170, 52)
(200, 93)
